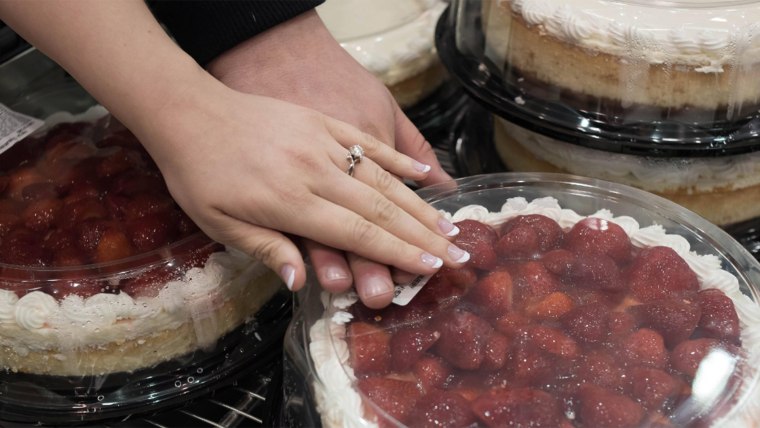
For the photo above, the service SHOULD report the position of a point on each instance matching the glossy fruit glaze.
(82, 194)
(545, 327)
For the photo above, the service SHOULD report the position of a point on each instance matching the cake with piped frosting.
(557, 320)
(691, 61)
(100, 270)
(394, 40)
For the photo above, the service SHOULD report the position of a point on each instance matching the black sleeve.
(207, 28)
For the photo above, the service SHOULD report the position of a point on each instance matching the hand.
(322, 76)
(249, 168)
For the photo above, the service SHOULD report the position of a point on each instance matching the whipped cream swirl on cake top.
(704, 34)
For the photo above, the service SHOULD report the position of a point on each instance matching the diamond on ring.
(355, 154)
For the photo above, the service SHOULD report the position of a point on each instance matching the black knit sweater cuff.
(206, 29)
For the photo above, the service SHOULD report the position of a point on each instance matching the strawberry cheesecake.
(393, 39)
(100, 270)
(558, 320)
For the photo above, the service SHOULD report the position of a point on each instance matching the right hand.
(249, 169)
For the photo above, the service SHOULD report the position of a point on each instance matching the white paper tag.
(404, 293)
(15, 126)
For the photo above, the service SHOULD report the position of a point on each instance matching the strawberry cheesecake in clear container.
(585, 304)
(112, 301)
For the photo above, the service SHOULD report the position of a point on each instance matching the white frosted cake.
(722, 189)
(557, 320)
(393, 39)
(692, 59)
(107, 332)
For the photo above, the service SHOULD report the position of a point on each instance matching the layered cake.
(100, 270)
(691, 61)
(393, 39)
(722, 189)
(557, 320)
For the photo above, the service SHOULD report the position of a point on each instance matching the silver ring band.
(355, 155)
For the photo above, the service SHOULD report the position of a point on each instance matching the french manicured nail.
(421, 167)
(457, 254)
(431, 260)
(288, 275)
(375, 286)
(447, 227)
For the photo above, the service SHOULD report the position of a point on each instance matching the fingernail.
(335, 273)
(457, 254)
(374, 287)
(447, 227)
(431, 260)
(421, 167)
(288, 275)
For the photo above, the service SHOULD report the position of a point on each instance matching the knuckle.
(385, 181)
(266, 251)
(370, 144)
(364, 232)
(385, 211)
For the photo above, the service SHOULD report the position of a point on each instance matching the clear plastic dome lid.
(585, 304)
(653, 77)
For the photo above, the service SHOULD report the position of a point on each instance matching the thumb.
(412, 143)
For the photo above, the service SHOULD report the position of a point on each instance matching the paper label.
(404, 293)
(15, 126)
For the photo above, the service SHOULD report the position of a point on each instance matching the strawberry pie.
(557, 320)
(100, 270)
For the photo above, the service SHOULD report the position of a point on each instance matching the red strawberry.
(553, 341)
(621, 323)
(521, 242)
(75, 213)
(532, 281)
(518, 407)
(658, 273)
(151, 231)
(185, 225)
(596, 271)
(600, 368)
(397, 398)
(601, 236)
(22, 177)
(492, 294)
(495, 352)
(601, 407)
(23, 247)
(511, 324)
(39, 190)
(407, 345)
(543, 233)
(113, 245)
(132, 183)
(674, 319)
(431, 372)
(118, 161)
(559, 262)
(463, 277)
(8, 222)
(69, 256)
(478, 239)
(369, 347)
(87, 233)
(528, 364)
(643, 347)
(551, 307)
(463, 338)
(41, 214)
(719, 319)
(144, 204)
(441, 409)
(687, 356)
(439, 292)
(587, 323)
(654, 389)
